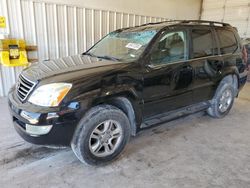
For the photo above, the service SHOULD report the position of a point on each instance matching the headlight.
(50, 95)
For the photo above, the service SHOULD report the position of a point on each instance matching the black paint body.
(150, 89)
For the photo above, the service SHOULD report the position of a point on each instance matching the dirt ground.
(195, 151)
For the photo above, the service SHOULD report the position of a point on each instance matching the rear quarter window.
(203, 45)
(227, 41)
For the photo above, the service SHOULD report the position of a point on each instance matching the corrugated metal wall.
(59, 30)
(237, 13)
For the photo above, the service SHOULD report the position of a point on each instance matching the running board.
(167, 116)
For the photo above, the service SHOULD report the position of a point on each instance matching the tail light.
(244, 54)
(245, 57)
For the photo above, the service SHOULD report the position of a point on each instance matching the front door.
(168, 76)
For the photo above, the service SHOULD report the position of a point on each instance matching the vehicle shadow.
(166, 130)
(27, 153)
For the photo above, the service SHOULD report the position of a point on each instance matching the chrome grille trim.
(24, 87)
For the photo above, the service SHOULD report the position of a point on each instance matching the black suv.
(131, 79)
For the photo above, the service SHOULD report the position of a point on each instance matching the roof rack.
(154, 23)
(204, 21)
(190, 21)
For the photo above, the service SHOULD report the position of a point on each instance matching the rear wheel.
(222, 101)
(101, 135)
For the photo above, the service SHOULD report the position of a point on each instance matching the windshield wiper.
(90, 54)
(108, 58)
(102, 57)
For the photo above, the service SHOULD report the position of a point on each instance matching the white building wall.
(174, 9)
(235, 12)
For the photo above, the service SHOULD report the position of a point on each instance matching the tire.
(97, 133)
(216, 109)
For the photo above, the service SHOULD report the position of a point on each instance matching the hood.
(82, 64)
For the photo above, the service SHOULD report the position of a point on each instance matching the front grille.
(24, 87)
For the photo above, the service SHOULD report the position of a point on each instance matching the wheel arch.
(232, 78)
(128, 102)
(125, 104)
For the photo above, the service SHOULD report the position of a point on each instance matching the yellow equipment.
(2, 22)
(13, 53)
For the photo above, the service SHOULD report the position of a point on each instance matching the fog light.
(38, 130)
(31, 117)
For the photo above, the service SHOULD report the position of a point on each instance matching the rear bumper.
(63, 122)
(242, 79)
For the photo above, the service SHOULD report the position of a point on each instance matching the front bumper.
(44, 126)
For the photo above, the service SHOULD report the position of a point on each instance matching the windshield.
(125, 45)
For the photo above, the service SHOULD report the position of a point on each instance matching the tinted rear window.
(227, 41)
(202, 43)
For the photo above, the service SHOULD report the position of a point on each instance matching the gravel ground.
(195, 151)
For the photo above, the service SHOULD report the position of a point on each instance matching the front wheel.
(222, 102)
(101, 135)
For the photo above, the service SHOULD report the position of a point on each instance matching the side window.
(203, 44)
(171, 47)
(227, 41)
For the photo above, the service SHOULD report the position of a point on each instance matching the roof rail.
(189, 21)
(154, 23)
(204, 21)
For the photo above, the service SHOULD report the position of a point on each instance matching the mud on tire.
(84, 136)
(216, 109)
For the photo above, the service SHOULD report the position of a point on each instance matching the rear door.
(206, 62)
(168, 75)
(230, 50)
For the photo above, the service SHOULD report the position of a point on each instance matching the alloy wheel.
(105, 138)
